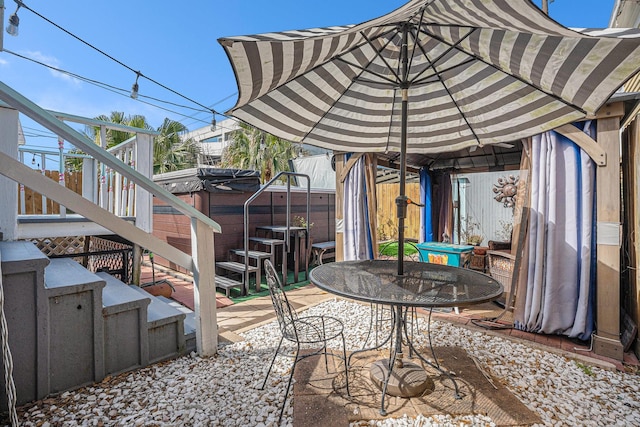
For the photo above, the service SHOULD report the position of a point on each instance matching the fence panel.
(387, 216)
(33, 200)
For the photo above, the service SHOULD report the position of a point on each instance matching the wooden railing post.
(204, 289)
(90, 180)
(144, 199)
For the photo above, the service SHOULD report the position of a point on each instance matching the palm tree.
(171, 152)
(113, 137)
(251, 148)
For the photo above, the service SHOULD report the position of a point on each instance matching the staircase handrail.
(289, 175)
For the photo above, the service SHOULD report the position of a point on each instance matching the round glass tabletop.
(421, 285)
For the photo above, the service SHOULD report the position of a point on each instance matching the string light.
(13, 29)
(14, 21)
(138, 73)
(134, 88)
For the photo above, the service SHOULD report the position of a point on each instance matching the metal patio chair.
(304, 331)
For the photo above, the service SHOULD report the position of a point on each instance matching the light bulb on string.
(14, 22)
(135, 87)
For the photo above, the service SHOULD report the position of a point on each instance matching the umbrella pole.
(401, 201)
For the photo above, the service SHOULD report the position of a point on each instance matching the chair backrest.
(285, 313)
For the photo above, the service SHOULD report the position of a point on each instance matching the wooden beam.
(347, 168)
(584, 141)
(606, 340)
(396, 166)
(615, 109)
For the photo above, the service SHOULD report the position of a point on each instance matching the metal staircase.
(246, 263)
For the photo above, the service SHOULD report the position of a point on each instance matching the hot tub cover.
(213, 180)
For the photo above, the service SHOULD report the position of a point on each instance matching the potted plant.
(470, 232)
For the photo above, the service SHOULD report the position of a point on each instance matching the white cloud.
(3, 62)
(52, 62)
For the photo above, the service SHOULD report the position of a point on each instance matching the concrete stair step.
(76, 325)
(118, 295)
(126, 333)
(189, 322)
(25, 308)
(64, 276)
(166, 328)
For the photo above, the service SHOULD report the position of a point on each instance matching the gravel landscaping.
(224, 390)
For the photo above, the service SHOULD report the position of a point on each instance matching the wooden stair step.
(267, 241)
(227, 284)
(237, 267)
(252, 254)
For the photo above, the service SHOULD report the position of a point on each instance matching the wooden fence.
(387, 211)
(34, 202)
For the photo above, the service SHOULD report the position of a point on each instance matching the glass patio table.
(423, 285)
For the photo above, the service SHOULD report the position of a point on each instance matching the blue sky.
(174, 44)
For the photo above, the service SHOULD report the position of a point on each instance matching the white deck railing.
(101, 184)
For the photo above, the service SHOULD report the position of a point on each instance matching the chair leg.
(346, 368)
(324, 347)
(286, 394)
(271, 366)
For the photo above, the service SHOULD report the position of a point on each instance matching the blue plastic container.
(445, 253)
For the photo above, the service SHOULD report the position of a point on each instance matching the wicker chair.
(501, 266)
(303, 331)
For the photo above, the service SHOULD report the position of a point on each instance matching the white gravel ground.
(224, 390)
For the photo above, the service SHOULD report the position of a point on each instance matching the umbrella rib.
(426, 79)
(352, 81)
(442, 55)
(415, 39)
(438, 76)
(379, 55)
(360, 67)
(520, 79)
(451, 96)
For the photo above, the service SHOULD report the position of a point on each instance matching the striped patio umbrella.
(429, 77)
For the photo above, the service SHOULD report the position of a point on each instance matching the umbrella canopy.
(432, 76)
(477, 72)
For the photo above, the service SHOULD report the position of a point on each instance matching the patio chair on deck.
(303, 331)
